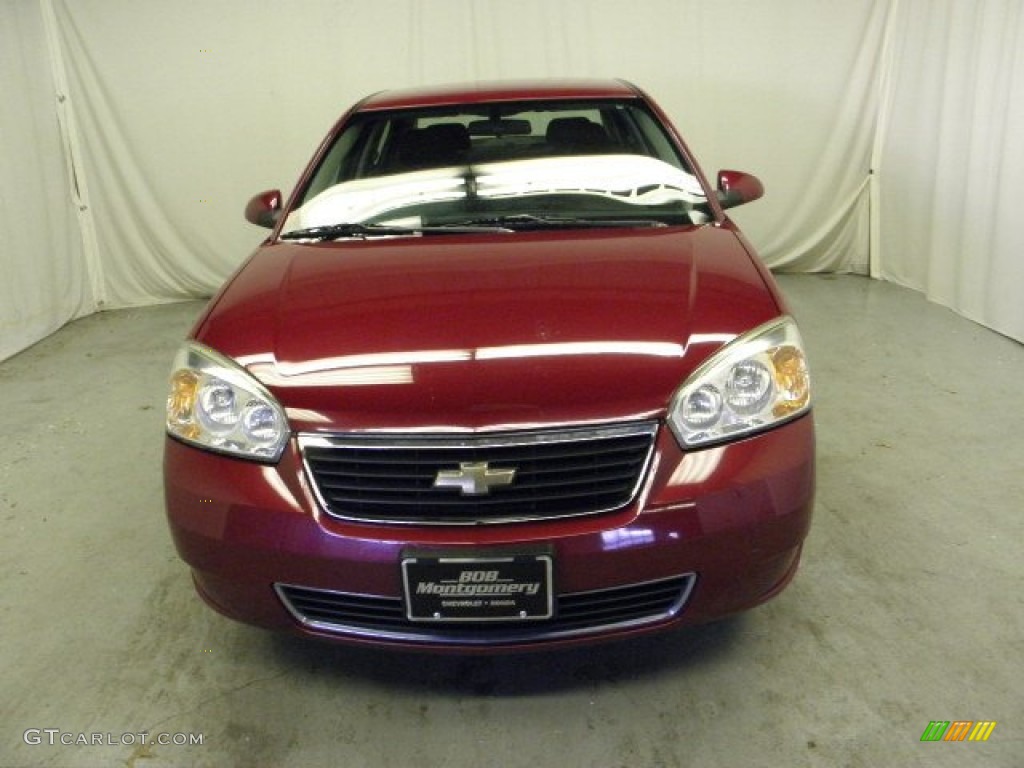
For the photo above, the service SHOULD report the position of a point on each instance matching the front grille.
(576, 614)
(562, 473)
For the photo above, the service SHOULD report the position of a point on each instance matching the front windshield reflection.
(592, 188)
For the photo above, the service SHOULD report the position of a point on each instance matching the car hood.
(484, 332)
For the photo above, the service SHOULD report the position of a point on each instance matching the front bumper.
(714, 532)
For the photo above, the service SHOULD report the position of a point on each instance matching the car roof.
(492, 91)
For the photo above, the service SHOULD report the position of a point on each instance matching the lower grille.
(576, 614)
(544, 474)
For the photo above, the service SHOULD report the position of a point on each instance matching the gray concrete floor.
(909, 606)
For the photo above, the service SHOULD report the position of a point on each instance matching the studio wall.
(43, 272)
(144, 126)
(951, 159)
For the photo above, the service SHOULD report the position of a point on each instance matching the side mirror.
(264, 209)
(736, 188)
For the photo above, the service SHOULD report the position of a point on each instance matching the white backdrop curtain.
(951, 168)
(43, 270)
(885, 131)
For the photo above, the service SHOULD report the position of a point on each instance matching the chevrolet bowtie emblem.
(474, 478)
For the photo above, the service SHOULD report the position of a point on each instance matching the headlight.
(214, 403)
(755, 382)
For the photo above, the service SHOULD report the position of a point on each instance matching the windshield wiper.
(338, 231)
(527, 221)
(334, 231)
(513, 223)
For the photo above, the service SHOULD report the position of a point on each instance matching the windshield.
(511, 166)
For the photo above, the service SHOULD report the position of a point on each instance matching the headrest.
(441, 144)
(576, 132)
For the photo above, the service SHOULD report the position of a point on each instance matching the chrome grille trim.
(569, 472)
(578, 614)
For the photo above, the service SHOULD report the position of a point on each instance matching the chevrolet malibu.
(503, 376)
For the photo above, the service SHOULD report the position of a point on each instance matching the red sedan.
(503, 376)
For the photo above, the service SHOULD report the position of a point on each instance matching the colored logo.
(958, 730)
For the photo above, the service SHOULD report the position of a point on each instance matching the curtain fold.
(43, 276)
(149, 255)
(952, 169)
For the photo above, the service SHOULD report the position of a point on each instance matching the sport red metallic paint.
(503, 376)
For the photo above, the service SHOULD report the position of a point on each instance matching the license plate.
(515, 587)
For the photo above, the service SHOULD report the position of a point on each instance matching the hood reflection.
(397, 367)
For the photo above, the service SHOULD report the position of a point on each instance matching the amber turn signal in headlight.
(755, 382)
(216, 404)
